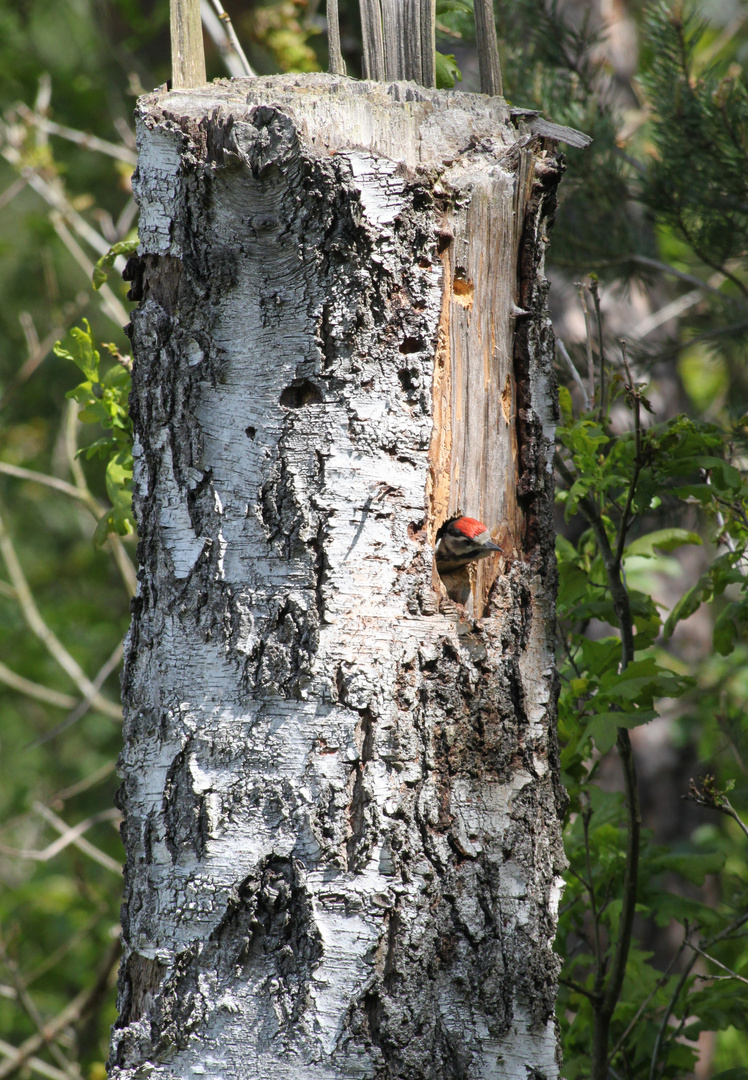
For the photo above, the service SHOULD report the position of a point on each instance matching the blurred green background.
(656, 208)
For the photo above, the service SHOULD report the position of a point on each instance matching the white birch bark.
(341, 802)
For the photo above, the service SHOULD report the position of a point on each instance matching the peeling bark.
(340, 793)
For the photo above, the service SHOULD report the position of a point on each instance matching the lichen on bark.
(340, 794)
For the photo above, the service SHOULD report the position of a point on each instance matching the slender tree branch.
(636, 400)
(725, 933)
(35, 690)
(79, 841)
(90, 142)
(37, 625)
(574, 373)
(601, 348)
(83, 707)
(69, 836)
(74, 1011)
(578, 989)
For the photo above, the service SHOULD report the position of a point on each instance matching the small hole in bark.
(250, 432)
(301, 392)
(405, 375)
(415, 529)
(410, 345)
(463, 292)
(424, 263)
(443, 240)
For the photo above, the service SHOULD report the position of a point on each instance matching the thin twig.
(90, 142)
(69, 836)
(599, 967)
(32, 362)
(14, 189)
(77, 840)
(725, 933)
(588, 342)
(601, 348)
(34, 1064)
(110, 304)
(28, 1004)
(658, 986)
(635, 472)
(730, 973)
(574, 373)
(35, 690)
(74, 1011)
(577, 988)
(221, 29)
(82, 707)
(50, 641)
(53, 482)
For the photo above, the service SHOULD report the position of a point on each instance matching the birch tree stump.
(341, 793)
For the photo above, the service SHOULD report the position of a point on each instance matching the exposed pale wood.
(373, 43)
(337, 64)
(488, 48)
(187, 49)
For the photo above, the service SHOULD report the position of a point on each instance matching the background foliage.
(656, 210)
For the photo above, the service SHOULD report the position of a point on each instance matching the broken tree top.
(463, 119)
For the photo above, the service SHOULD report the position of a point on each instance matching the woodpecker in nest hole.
(460, 541)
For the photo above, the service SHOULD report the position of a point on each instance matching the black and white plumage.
(460, 541)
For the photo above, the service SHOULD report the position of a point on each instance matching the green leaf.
(604, 727)
(693, 867)
(447, 71)
(663, 540)
(83, 354)
(106, 262)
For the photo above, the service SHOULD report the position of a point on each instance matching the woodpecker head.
(462, 540)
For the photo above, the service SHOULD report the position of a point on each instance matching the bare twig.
(36, 624)
(635, 397)
(574, 373)
(14, 189)
(69, 836)
(90, 142)
(53, 482)
(77, 840)
(35, 690)
(110, 304)
(588, 342)
(601, 348)
(27, 1002)
(658, 986)
(74, 1011)
(725, 933)
(221, 30)
(712, 960)
(34, 1064)
(83, 707)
